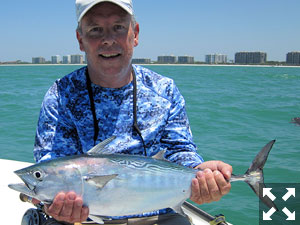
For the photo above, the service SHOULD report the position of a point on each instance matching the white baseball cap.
(83, 6)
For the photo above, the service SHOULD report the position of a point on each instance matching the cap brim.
(100, 1)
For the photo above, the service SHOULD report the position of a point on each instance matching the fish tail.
(254, 176)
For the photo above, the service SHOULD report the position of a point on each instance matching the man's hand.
(67, 207)
(211, 182)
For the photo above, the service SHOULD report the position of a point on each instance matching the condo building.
(141, 61)
(215, 58)
(66, 59)
(293, 58)
(76, 59)
(185, 59)
(250, 57)
(55, 59)
(166, 59)
(38, 60)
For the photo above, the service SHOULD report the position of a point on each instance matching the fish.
(121, 185)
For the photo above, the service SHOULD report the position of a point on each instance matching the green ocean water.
(233, 112)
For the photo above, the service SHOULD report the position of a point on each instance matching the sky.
(167, 27)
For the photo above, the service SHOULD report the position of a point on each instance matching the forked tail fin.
(254, 176)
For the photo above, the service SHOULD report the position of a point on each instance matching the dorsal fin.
(160, 155)
(96, 150)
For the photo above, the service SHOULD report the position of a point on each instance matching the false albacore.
(118, 184)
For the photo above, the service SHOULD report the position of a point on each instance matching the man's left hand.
(211, 182)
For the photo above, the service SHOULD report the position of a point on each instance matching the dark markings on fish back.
(131, 161)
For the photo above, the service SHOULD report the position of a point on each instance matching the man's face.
(108, 38)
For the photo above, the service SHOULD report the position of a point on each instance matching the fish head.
(41, 181)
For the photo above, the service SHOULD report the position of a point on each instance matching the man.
(113, 97)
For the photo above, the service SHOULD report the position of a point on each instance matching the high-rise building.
(185, 59)
(141, 61)
(215, 58)
(55, 59)
(66, 59)
(38, 60)
(250, 57)
(293, 58)
(77, 59)
(166, 59)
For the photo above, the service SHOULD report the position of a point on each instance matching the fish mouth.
(21, 187)
(30, 187)
(25, 189)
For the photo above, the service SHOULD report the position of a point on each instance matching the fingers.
(84, 213)
(209, 189)
(223, 185)
(56, 206)
(80, 213)
(195, 195)
(68, 208)
(204, 190)
(209, 186)
(214, 191)
(200, 191)
(225, 169)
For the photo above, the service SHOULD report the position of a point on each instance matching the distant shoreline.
(29, 64)
(216, 65)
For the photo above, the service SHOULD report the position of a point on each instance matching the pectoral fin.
(99, 181)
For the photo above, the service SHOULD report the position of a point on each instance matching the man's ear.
(136, 34)
(79, 38)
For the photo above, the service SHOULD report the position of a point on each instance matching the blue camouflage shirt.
(66, 126)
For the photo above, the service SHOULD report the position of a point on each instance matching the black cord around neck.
(92, 103)
(135, 125)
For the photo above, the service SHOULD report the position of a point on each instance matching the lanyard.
(92, 103)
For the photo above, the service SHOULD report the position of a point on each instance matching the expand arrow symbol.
(291, 216)
(290, 192)
(267, 216)
(267, 191)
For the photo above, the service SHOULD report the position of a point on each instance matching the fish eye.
(38, 175)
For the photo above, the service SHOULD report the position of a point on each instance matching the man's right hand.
(67, 207)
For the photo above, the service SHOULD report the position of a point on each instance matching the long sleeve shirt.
(66, 126)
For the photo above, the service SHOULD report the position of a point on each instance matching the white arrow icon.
(290, 192)
(267, 191)
(291, 216)
(267, 216)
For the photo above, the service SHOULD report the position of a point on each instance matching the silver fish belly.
(111, 185)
